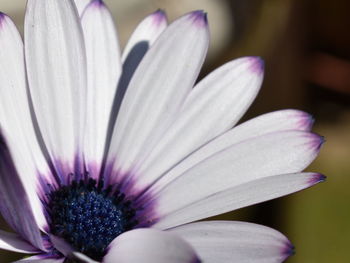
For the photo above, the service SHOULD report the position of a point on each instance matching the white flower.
(111, 157)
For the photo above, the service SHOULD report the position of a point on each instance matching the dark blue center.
(89, 217)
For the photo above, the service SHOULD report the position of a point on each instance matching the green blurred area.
(288, 35)
(318, 219)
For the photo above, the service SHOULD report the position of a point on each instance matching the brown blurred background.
(306, 48)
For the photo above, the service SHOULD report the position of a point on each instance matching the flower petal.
(149, 246)
(145, 33)
(270, 154)
(195, 206)
(230, 241)
(212, 107)
(104, 69)
(141, 40)
(158, 88)
(14, 204)
(15, 243)
(282, 120)
(81, 5)
(56, 67)
(15, 117)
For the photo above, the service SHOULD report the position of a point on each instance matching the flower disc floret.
(89, 217)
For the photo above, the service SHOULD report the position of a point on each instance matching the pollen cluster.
(89, 217)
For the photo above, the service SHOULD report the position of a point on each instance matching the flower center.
(89, 217)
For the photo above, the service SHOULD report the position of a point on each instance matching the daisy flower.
(109, 157)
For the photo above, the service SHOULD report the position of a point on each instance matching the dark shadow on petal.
(129, 67)
(14, 203)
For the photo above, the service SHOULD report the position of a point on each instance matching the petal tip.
(305, 120)
(316, 141)
(98, 3)
(288, 250)
(2, 18)
(309, 121)
(159, 17)
(95, 5)
(199, 18)
(317, 178)
(322, 140)
(257, 65)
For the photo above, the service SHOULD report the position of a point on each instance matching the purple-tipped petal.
(282, 120)
(274, 153)
(159, 17)
(317, 178)
(288, 119)
(306, 120)
(199, 18)
(2, 17)
(145, 33)
(257, 65)
(196, 206)
(288, 250)
(233, 241)
(97, 4)
(214, 105)
(316, 141)
(145, 114)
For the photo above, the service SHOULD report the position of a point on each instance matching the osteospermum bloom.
(109, 157)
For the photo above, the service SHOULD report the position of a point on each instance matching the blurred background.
(306, 48)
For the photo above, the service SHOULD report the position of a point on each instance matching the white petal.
(13, 242)
(270, 154)
(282, 120)
(15, 118)
(229, 241)
(145, 33)
(56, 67)
(141, 40)
(103, 68)
(81, 5)
(231, 198)
(213, 107)
(149, 246)
(158, 88)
